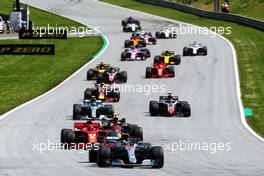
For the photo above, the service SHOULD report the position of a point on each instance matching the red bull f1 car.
(169, 106)
(103, 92)
(101, 68)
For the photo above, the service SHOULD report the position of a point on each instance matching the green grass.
(25, 77)
(250, 8)
(249, 44)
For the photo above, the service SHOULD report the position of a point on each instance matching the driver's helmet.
(170, 98)
(133, 48)
(111, 69)
(125, 137)
(167, 53)
(134, 37)
(130, 19)
(118, 133)
(101, 66)
(93, 101)
(89, 121)
(115, 118)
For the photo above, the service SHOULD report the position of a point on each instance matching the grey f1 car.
(169, 106)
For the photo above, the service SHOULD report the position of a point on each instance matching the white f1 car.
(195, 49)
(166, 33)
(1, 25)
(131, 27)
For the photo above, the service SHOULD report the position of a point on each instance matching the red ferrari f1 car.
(160, 70)
(83, 133)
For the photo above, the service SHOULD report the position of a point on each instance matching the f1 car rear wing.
(161, 98)
(105, 65)
(95, 126)
(170, 52)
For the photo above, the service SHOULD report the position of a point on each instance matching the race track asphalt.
(208, 83)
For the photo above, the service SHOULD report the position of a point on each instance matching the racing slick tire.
(204, 51)
(107, 110)
(156, 59)
(70, 137)
(67, 137)
(144, 44)
(123, 76)
(125, 29)
(153, 40)
(64, 135)
(147, 54)
(157, 34)
(123, 23)
(177, 59)
(87, 111)
(154, 108)
(77, 111)
(137, 22)
(150, 105)
(92, 156)
(148, 72)
(173, 35)
(123, 56)
(87, 94)
(185, 51)
(100, 78)
(157, 155)
(186, 110)
(89, 74)
(171, 68)
(127, 44)
(103, 156)
(138, 132)
(116, 96)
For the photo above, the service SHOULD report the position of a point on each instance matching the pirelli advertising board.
(27, 49)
